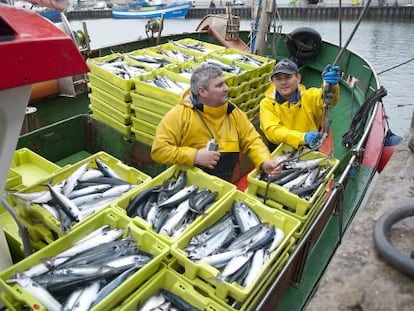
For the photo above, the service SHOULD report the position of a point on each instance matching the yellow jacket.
(182, 132)
(288, 122)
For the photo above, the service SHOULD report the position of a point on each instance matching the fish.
(34, 289)
(178, 197)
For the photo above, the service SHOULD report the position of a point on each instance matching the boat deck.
(357, 278)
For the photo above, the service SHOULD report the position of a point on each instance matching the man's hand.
(312, 138)
(330, 74)
(207, 158)
(271, 168)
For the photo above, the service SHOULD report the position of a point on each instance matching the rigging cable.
(396, 66)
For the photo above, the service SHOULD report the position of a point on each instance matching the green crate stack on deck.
(136, 105)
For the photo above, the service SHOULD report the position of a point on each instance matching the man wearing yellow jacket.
(207, 131)
(291, 114)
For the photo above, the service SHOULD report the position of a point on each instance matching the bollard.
(30, 121)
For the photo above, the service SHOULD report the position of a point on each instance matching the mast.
(265, 9)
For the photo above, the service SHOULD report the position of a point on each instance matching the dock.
(397, 13)
(357, 278)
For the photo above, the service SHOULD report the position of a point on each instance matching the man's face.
(216, 94)
(286, 84)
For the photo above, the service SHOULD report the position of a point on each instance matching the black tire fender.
(384, 247)
(304, 43)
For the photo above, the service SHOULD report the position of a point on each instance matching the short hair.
(202, 75)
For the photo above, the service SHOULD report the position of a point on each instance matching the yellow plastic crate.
(107, 98)
(168, 61)
(188, 54)
(137, 178)
(102, 84)
(144, 88)
(175, 284)
(185, 69)
(148, 116)
(195, 176)
(209, 274)
(14, 180)
(145, 241)
(143, 137)
(208, 47)
(29, 167)
(124, 84)
(103, 117)
(288, 200)
(150, 104)
(143, 126)
(97, 104)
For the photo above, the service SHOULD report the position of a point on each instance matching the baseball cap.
(285, 66)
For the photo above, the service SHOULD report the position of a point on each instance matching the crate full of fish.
(175, 201)
(27, 168)
(198, 47)
(168, 290)
(235, 74)
(100, 84)
(162, 85)
(235, 247)
(259, 64)
(117, 69)
(68, 197)
(176, 51)
(186, 69)
(94, 267)
(304, 178)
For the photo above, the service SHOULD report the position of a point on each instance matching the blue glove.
(312, 138)
(331, 74)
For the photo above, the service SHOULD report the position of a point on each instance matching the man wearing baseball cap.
(292, 114)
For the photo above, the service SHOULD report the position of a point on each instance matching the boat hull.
(171, 11)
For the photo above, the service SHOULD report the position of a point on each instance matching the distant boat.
(174, 10)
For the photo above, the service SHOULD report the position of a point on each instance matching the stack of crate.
(43, 227)
(137, 105)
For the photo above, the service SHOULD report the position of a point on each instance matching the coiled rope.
(357, 127)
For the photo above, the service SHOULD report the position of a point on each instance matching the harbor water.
(384, 44)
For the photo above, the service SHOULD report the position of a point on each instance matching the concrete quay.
(357, 279)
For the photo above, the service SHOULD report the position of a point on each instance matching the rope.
(396, 66)
(356, 129)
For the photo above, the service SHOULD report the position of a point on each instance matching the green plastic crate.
(127, 173)
(297, 205)
(96, 103)
(174, 283)
(209, 274)
(195, 176)
(103, 117)
(146, 242)
(102, 84)
(107, 98)
(29, 167)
